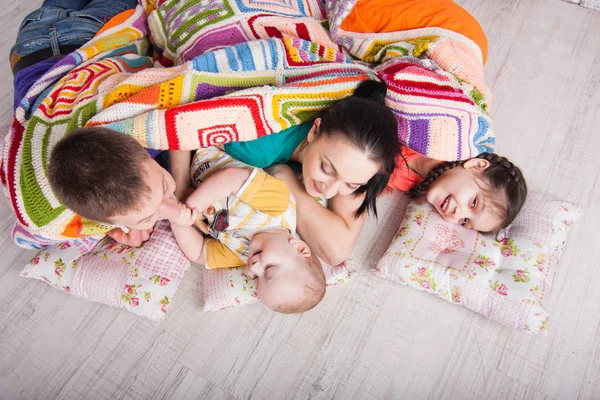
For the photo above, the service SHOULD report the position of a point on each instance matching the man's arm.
(180, 161)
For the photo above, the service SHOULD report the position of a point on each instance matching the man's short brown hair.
(97, 172)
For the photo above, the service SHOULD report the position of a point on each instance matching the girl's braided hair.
(500, 176)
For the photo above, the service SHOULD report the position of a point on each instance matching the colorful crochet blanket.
(233, 70)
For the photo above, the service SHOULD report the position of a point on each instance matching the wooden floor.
(593, 4)
(369, 338)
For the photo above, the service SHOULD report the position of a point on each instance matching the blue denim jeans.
(64, 22)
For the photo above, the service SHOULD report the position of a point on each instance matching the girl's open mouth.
(445, 203)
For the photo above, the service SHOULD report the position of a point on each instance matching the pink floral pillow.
(142, 280)
(224, 288)
(506, 281)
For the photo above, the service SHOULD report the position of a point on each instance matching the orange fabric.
(403, 178)
(73, 229)
(375, 16)
(116, 20)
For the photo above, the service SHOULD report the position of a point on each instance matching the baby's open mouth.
(444, 203)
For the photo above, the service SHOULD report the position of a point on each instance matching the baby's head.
(108, 177)
(484, 193)
(288, 277)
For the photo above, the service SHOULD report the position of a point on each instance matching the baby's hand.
(186, 216)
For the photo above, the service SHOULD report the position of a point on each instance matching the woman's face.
(332, 165)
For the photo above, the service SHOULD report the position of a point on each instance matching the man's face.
(159, 203)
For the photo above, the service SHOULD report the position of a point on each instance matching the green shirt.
(276, 148)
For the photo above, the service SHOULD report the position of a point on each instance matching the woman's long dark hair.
(370, 125)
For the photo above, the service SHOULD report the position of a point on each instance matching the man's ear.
(476, 164)
(314, 130)
(301, 247)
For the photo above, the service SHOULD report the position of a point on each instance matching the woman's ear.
(314, 130)
(301, 247)
(476, 164)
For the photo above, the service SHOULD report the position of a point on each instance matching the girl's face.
(458, 198)
(332, 165)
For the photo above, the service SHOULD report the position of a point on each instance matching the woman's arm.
(330, 233)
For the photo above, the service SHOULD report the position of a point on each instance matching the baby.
(257, 228)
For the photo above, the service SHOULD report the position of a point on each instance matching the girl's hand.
(186, 216)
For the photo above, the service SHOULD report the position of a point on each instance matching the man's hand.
(133, 238)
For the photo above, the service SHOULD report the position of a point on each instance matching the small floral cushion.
(230, 287)
(506, 281)
(142, 280)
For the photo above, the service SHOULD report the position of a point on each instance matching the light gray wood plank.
(189, 386)
(593, 4)
(369, 338)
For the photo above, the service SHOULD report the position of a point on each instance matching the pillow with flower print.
(230, 287)
(507, 281)
(142, 280)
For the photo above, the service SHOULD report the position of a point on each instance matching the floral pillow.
(507, 281)
(224, 288)
(142, 280)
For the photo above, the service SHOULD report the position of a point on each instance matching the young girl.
(484, 193)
